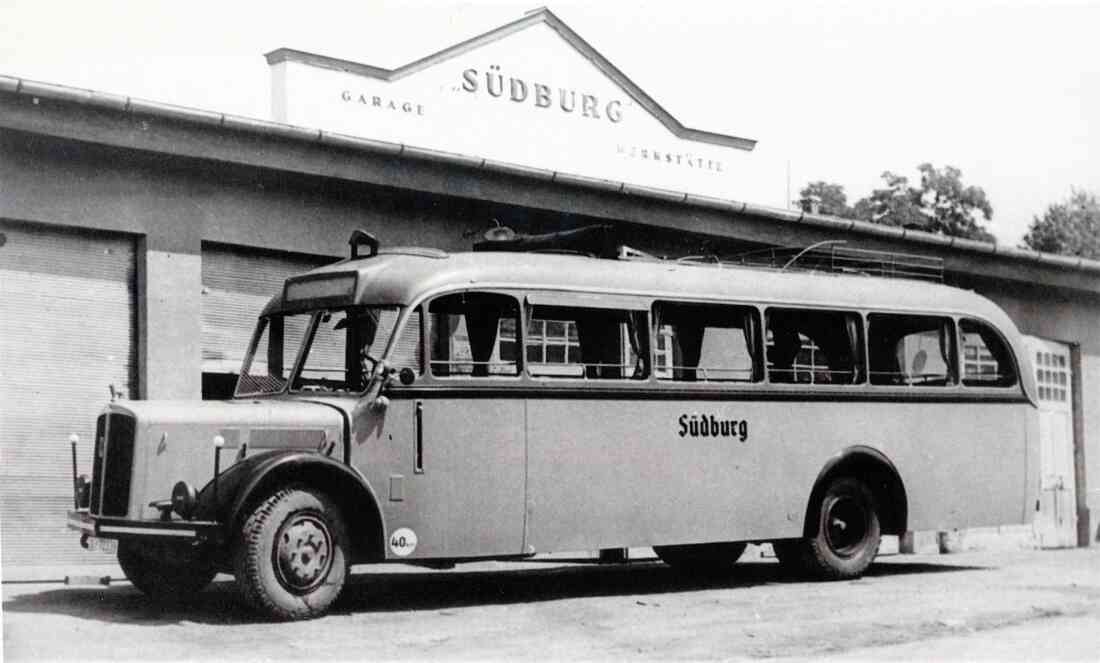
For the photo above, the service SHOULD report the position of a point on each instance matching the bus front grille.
(114, 459)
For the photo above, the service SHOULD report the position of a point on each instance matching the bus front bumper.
(160, 530)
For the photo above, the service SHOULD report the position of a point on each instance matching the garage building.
(139, 240)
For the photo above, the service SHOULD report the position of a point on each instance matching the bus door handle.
(418, 438)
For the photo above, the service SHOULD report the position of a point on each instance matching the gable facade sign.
(530, 93)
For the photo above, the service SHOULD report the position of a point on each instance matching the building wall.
(1072, 318)
(173, 204)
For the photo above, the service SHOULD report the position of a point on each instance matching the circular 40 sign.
(403, 542)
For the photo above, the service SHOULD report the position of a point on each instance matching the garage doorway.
(67, 341)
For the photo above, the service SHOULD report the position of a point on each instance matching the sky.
(841, 91)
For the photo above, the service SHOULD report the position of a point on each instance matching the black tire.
(291, 557)
(165, 573)
(701, 557)
(847, 536)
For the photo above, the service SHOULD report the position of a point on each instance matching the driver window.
(472, 334)
(345, 348)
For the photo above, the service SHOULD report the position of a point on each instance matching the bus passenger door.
(468, 485)
(467, 489)
(1056, 522)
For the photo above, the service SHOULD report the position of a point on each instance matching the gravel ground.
(976, 605)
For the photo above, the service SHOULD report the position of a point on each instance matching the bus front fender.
(232, 495)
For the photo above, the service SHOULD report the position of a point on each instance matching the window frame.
(427, 349)
(860, 364)
(1013, 359)
(623, 304)
(756, 354)
(308, 338)
(954, 372)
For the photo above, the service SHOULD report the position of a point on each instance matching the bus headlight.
(83, 492)
(184, 499)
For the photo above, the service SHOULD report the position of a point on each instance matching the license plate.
(103, 545)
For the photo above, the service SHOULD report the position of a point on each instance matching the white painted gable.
(527, 96)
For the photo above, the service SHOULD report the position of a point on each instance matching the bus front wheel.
(846, 538)
(291, 559)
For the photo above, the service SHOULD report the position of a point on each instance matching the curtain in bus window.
(910, 350)
(785, 346)
(599, 333)
(708, 342)
(853, 325)
(818, 347)
(947, 351)
(690, 339)
(441, 331)
(482, 323)
(634, 328)
(464, 334)
(748, 328)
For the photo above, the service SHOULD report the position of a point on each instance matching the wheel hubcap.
(303, 553)
(846, 526)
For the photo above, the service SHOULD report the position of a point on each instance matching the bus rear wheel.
(847, 534)
(701, 557)
(291, 559)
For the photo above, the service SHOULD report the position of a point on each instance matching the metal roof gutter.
(140, 107)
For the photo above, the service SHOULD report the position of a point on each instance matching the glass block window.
(1052, 376)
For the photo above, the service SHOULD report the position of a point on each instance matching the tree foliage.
(1071, 227)
(941, 204)
(825, 198)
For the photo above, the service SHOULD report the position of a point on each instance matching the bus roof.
(404, 276)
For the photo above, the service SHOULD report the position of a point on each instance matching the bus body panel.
(956, 474)
(608, 473)
(468, 500)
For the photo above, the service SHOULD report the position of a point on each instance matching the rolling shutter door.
(67, 326)
(237, 284)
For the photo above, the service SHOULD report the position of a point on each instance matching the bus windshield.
(339, 349)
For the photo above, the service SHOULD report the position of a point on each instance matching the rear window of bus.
(987, 360)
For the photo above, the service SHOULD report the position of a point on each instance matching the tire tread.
(249, 565)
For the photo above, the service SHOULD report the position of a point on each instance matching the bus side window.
(467, 335)
(814, 347)
(407, 351)
(593, 343)
(987, 361)
(706, 343)
(916, 350)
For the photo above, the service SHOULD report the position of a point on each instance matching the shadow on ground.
(381, 591)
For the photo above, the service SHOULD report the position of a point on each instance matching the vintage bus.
(411, 405)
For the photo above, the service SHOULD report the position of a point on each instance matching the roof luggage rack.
(825, 256)
(828, 256)
(595, 241)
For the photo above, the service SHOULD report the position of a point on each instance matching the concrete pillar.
(169, 323)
